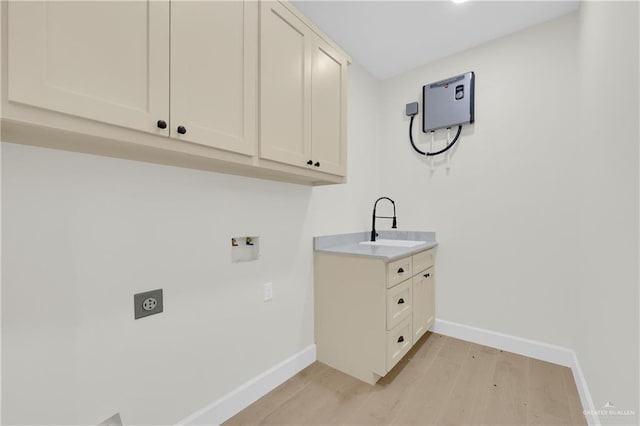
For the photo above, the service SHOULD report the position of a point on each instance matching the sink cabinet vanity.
(372, 303)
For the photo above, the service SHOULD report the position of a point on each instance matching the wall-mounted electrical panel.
(448, 103)
(245, 249)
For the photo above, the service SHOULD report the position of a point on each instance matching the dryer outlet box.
(147, 303)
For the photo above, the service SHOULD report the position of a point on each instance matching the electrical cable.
(427, 154)
(448, 155)
(433, 134)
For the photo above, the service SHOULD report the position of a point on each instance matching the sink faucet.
(394, 225)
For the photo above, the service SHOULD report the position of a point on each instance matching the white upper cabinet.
(302, 94)
(328, 109)
(109, 61)
(236, 86)
(285, 86)
(214, 60)
(102, 60)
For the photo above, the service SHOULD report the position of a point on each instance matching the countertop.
(349, 244)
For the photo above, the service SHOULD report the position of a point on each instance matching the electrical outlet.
(147, 303)
(268, 291)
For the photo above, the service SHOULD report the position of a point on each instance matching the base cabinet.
(368, 312)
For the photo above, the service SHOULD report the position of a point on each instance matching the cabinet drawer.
(399, 303)
(398, 342)
(398, 271)
(423, 261)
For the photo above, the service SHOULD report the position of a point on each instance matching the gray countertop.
(349, 244)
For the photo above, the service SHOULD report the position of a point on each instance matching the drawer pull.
(400, 339)
(161, 124)
(401, 301)
(401, 271)
(427, 275)
(309, 162)
(182, 130)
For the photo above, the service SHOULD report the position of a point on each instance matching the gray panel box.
(448, 103)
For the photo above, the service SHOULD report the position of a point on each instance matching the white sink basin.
(393, 243)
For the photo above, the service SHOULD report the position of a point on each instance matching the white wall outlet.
(268, 291)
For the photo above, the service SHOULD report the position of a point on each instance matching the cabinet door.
(214, 60)
(285, 86)
(328, 109)
(102, 60)
(423, 302)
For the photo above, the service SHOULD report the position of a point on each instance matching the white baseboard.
(531, 348)
(585, 395)
(226, 407)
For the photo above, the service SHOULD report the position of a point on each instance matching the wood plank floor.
(441, 381)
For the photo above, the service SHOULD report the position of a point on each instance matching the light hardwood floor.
(441, 381)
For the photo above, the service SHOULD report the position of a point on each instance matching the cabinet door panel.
(285, 59)
(328, 104)
(423, 302)
(106, 61)
(213, 73)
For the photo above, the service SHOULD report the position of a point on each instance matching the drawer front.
(398, 271)
(398, 342)
(423, 260)
(399, 303)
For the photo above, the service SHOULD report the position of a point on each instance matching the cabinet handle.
(427, 275)
(401, 271)
(182, 130)
(309, 162)
(401, 301)
(317, 164)
(161, 124)
(400, 339)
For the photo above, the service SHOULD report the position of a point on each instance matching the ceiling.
(391, 37)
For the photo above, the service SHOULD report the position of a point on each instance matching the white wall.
(537, 219)
(607, 294)
(82, 234)
(85, 233)
(347, 208)
(504, 213)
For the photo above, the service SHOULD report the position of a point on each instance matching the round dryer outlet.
(149, 304)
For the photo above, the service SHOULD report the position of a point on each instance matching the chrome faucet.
(394, 224)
